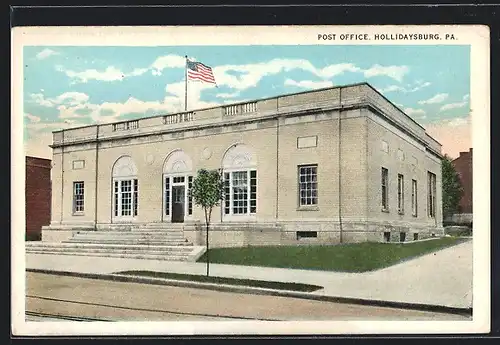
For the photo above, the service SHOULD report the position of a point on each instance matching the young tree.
(452, 187)
(207, 191)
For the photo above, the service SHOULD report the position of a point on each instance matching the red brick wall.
(463, 165)
(38, 195)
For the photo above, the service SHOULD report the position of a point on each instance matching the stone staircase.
(151, 242)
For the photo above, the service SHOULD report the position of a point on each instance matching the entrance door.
(178, 200)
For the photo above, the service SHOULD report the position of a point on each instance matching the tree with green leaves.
(207, 191)
(452, 187)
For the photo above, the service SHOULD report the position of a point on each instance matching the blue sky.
(71, 86)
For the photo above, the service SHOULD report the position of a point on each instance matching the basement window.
(402, 236)
(306, 234)
(387, 236)
(415, 236)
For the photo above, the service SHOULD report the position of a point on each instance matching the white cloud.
(309, 84)
(393, 88)
(70, 98)
(39, 99)
(397, 88)
(32, 118)
(457, 105)
(333, 70)
(155, 72)
(414, 112)
(169, 61)
(420, 85)
(394, 72)
(46, 53)
(438, 98)
(138, 71)
(250, 75)
(227, 95)
(109, 74)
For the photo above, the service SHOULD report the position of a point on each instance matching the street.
(52, 296)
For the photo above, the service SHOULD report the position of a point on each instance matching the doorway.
(178, 204)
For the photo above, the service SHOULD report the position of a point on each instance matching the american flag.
(199, 71)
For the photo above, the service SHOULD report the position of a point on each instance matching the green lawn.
(358, 257)
(228, 281)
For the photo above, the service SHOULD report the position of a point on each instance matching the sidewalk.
(443, 278)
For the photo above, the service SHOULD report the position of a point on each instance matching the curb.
(260, 291)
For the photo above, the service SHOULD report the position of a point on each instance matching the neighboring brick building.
(463, 166)
(38, 196)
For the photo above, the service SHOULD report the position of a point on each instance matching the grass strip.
(228, 281)
(353, 257)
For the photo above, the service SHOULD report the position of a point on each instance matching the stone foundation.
(262, 234)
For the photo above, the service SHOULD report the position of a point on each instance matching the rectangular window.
(401, 194)
(78, 197)
(167, 196)
(253, 191)
(431, 191)
(308, 185)
(190, 198)
(136, 196)
(385, 189)
(414, 198)
(126, 198)
(240, 192)
(116, 198)
(227, 194)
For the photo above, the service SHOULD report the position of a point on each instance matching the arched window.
(177, 182)
(125, 189)
(240, 181)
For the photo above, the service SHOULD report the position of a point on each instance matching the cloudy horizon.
(75, 86)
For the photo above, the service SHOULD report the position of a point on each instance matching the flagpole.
(186, 86)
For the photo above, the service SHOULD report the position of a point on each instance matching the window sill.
(308, 208)
(401, 213)
(385, 210)
(78, 214)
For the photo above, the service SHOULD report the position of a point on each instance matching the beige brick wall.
(361, 159)
(151, 173)
(397, 140)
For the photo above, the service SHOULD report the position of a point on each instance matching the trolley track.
(114, 306)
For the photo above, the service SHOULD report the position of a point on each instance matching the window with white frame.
(385, 189)
(401, 194)
(308, 185)
(126, 198)
(414, 198)
(125, 189)
(177, 171)
(240, 192)
(78, 197)
(431, 192)
(239, 167)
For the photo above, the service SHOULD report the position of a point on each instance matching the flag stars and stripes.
(200, 71)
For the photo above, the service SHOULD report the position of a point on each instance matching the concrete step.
(107, 247)
(129, 238)
(130, 242)
(65, 250)
(117, 255)
(131, 233)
